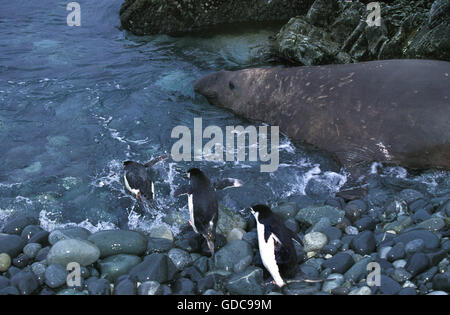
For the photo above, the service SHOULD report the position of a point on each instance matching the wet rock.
(201, 264)
(150, 288)
(292, 225)
(334, 280)
(21, 261)
(312, 215)
(192, 273)
(364, 290)
(146, 17)
(365, 223)
(417, 263)
(432, 225)
(354, 209)
(161, 231)
(42, 254)
(314, 241)
(180, 258)
(364, 243)
(116, 242)
(358, 270)
(388, 285)
(29, 231)
(9, 291)
(73, 250)
(420, 216)
(248, 282)
(98, 286)
(229, 220)
(401, 275)
(40, 238)
(158, 245)
(16, 225)
(25, 282)
(441, 282)
(5, 262)
(11, 244)
(407, 291)
(155, 267)
(351, 230)
(184, 286)
(397, 252)
(76, 232)
(115, 266)
(286, 210)
(415, 246)
(339, 263)
(236, 255)
(430, 240)
(332, 233)
(55, 276)
(322, 225)
(235, 234)
(125, 286)
(32, 249)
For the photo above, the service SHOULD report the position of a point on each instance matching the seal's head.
(223, 88)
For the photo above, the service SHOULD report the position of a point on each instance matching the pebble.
(158, 245)
(21, 261)
(150, 288)
(365, 290)
(314, 241)
(73, 250)
(115, 266)
(421, 216)
(248, 282)
(397, 252)
(31, 249)
(339, 263)
(401, 275)
(415, 246)
(11, 244)
(25, 282)
(236, 255)
(16, 225)
(321, 225)
(365, 223)
(40, 238)
(183, 286)
(312, 215)
(430, 240)
(333, 233)
(383, 251)
(358, 270)
(180, 258)
(441, 281)
(29, 231)
(229, 220)
(334, 281)
(235, 234)
(5, 262)
(388, 286)
(125, 286)
(55, 276)
(417, 263)
(401, 263)
(351, 230)
(286, 210)
(75, 232)
(364, 243)
(114, 242)
(161, 232)
(432, 225)
(98, 286)
(407, 291)
(155, 267)
(438, 293)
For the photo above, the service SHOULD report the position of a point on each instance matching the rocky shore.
(337, 32)
(401, 227)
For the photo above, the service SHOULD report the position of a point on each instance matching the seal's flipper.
(156, 160)
(183, 190)
(227, 183)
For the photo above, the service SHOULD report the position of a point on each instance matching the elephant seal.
(393, 111)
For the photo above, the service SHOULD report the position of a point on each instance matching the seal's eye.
(231, 85)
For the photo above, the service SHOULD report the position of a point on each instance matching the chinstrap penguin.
(202, 203)
(137, 180)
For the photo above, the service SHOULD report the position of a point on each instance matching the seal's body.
(395, 111)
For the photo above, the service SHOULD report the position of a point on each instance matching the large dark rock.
(25, 281)
(181, 16)
(155, 267)
(11, 244)
(16, 225)
(337, 32)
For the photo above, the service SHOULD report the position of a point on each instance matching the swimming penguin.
(137, 180)
(275, 245)
(202, 202)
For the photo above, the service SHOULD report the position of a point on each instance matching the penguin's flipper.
(227, 183)
(183, 190)
(156, 160)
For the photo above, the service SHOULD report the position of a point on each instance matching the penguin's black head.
(194, 172)
(260, 211)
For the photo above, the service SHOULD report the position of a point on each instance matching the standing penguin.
(275, 244)
(137, 180)
(202, 203)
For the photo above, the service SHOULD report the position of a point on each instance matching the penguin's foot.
(270, 283)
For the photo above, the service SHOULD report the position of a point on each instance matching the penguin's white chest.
(267, 252)
(191, 211)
